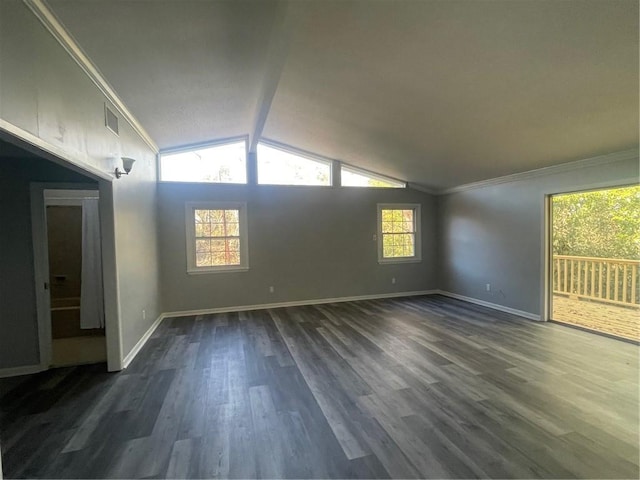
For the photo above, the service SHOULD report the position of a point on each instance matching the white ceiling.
(439, 93)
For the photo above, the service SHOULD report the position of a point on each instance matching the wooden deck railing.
(610, 280)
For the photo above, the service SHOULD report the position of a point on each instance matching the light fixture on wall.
(127, 165)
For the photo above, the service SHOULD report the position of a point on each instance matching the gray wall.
(18, 321)
(137, 253)
(45, 93)
(493, 234)
(308, 242)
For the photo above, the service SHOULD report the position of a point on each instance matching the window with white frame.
(354, 177)
(279, 166)
(399, 233)
(216, 237)
(215, 163)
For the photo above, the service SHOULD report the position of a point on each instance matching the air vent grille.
(110, 120)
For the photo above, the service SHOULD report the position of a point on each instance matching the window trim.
(199, 146)
(190, 234)
(298, 153)
(416, 207)
(367, 173)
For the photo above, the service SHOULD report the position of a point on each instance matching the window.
(354, 177)
(399, 233)
(216, 237)
(219, 163)
(280, 167)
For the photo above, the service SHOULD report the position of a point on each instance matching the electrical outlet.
(375, 237)
(488, 287)
(144, 314)
(393, 280)
(271, 289)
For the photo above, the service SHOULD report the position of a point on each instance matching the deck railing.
(610, 280)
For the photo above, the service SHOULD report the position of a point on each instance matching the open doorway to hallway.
(595, 259)
(75, 277)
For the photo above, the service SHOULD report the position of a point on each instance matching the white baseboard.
(24, 370)
(298, 303)
(138, 346)
(243, 308)
(495, 306)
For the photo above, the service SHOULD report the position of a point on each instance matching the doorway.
(76, 326)
(595, 261)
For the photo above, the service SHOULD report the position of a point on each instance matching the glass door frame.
(546, 281)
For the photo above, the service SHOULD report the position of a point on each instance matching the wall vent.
(110, 120)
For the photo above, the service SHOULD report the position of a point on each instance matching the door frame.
(41, 267)
(546, 282)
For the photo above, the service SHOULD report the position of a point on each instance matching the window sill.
(204, 271)
(386, 261)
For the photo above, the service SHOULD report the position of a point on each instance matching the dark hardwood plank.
(180, 460)
(420, 387)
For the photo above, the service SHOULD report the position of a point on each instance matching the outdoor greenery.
(602, 223)
(217, 237)
(398, 233)
(351, 178)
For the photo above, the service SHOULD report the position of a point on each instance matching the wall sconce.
(127, 165)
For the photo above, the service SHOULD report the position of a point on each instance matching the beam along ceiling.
(440, 93)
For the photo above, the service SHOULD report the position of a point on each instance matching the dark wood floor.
(419, 387)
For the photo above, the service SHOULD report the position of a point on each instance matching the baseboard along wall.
(29, 369)
(494, 306)
(297, 303)
(138, 346)
(243, 308)
(22, 370)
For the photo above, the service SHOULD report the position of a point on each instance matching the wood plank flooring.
(422, 387)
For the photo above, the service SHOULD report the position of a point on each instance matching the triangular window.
(213, 163)
(354, 177)
(280, 166)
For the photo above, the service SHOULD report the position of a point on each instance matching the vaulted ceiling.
(440, 93)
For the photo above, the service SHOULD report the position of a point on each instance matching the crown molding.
(43, 13)
(39, 147)
(422, 188)
(551, 170)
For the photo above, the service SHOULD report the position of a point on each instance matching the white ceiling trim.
(58, 155)
(422, 188)
(339, 163)
(551, 170)
(276, 58)
(201, 145)
(49, 20)
(296, 151)
(374, 175)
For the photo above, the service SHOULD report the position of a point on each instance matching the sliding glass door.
(595, 261)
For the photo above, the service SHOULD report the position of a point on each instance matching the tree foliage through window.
(217, 237)
(398, 233)
(603, 223)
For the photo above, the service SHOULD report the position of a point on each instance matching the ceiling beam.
(277, 53)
